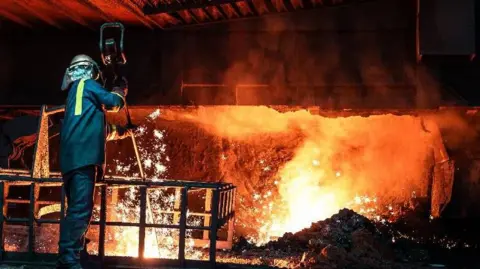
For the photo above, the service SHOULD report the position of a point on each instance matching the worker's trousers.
(79, 187)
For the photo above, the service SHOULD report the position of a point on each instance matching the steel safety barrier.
(219, 212)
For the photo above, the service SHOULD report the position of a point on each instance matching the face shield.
(80, 70)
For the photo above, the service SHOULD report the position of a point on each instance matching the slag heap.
(345, 240)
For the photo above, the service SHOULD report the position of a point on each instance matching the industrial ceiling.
(153, 14)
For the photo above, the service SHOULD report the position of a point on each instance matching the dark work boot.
(84, 254)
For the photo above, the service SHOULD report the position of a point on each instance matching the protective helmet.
(81, 67)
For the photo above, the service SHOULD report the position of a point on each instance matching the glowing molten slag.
(364, 163)
(307, 194)
(303, 195)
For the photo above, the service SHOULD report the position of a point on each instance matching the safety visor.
(83, 63)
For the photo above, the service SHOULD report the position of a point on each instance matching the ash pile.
(346, 240)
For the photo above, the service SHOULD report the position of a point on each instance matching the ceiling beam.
(40, 15)
(15, 18)
(252, 7)
(222, 12)
(307, 4)
(236, 9)
(148, 9)
(78, 19)
(136, 9)
(208, 15)
(288, 5)
(193, 16)
(270, 6)
(178, 17)
(93, 7)
(279, 13)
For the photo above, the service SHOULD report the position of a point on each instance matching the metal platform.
(218, 212)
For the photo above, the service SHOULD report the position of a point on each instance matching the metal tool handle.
(122, 31)
(114, 64)
(134, 142)
(137, 155)
(112, 25)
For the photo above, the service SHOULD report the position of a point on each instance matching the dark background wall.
(345, 57)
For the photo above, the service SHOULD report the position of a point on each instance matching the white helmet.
(81, 67)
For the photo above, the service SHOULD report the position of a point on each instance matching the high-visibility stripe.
(79, 97)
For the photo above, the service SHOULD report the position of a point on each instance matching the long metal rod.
(134, 143)
(107, 223)
(22, 201)
(38, 147)
(62, 204)
(147, 225)
(183, 226)
(109, 182)
(31, 222)
(111, 262)
(151, 219)
(137, 155)
(213, 228)
(143, 212)
(103, 217)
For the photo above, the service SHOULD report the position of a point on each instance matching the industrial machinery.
(114, 59)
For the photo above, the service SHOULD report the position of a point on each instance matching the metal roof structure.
(153, 14)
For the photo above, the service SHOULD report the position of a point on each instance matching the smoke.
(333, 57)
(458, 132)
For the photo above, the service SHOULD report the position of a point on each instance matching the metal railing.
(219, 194)
(218, 212)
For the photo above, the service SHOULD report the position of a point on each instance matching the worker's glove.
(122, 91)
(120, 86)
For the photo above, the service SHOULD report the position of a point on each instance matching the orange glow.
(368, 164)
(291, 169)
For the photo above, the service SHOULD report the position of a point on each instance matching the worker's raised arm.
(111, 101)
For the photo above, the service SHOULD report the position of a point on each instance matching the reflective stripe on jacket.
(84, 132)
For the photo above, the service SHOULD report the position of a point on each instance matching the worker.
(83, 139)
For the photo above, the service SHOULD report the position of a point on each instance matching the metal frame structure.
(155, 14)
(219, 211)
(189, 13)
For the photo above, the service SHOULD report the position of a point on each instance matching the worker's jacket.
(84, 130)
